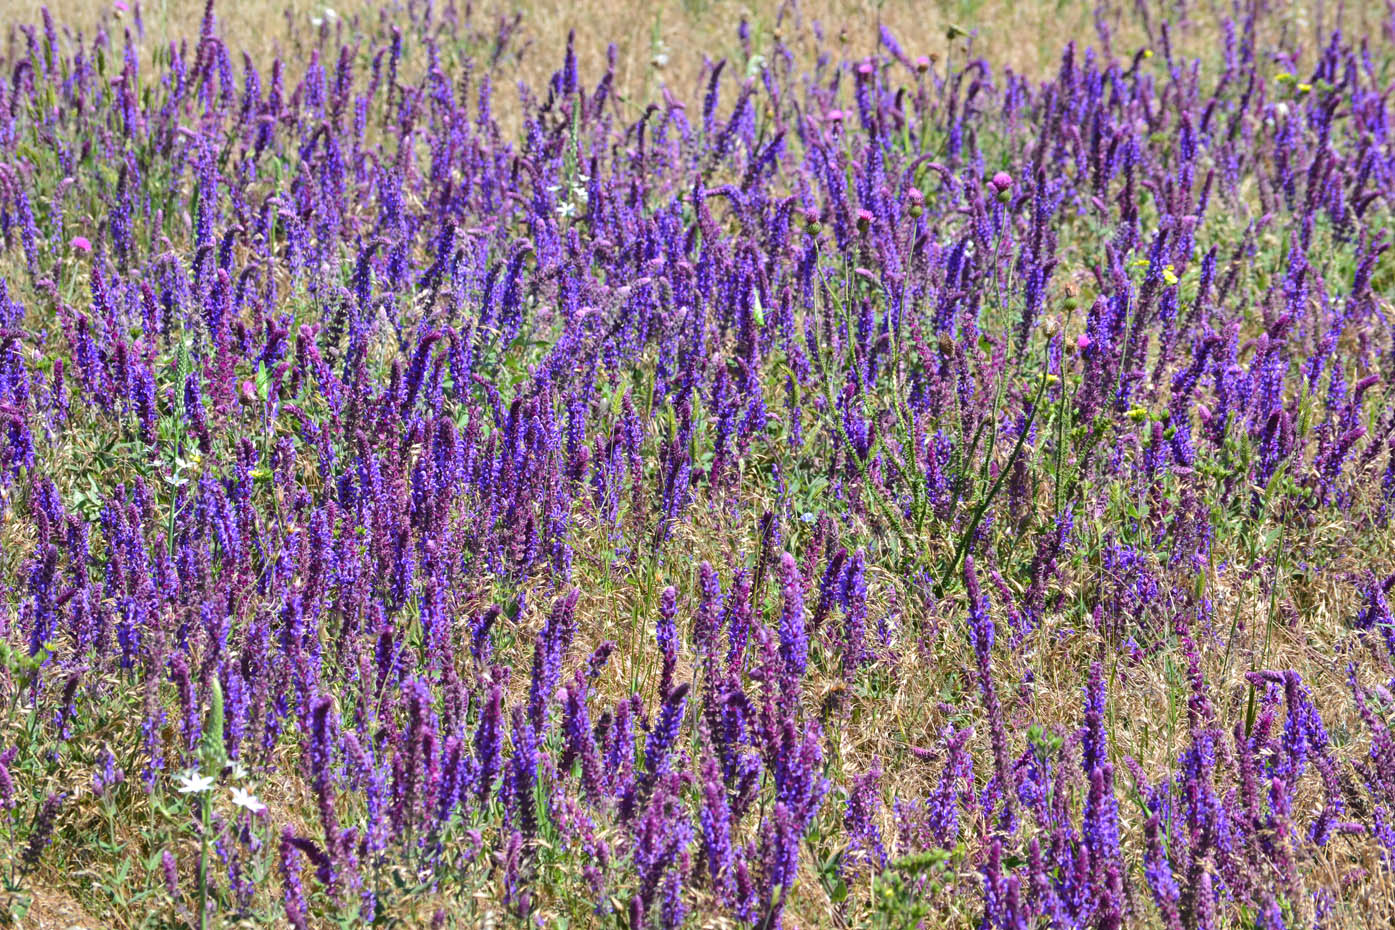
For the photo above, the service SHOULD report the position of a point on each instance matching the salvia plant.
(861, 489)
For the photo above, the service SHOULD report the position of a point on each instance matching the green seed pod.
(213, 750)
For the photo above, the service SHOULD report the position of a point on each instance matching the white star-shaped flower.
(191, 782)
(247, 800)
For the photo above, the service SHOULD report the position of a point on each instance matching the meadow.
(823, 465)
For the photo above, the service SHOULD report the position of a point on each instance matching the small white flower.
(191, 782)
(246, 799)
(238, 770)
(566, 210)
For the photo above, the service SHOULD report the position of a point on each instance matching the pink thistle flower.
(81, 243)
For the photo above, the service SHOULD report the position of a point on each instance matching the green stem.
(968, 536)
(203, 869)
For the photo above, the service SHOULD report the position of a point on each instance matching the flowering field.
(860, 486)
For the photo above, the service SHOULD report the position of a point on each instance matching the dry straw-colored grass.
(1024, 35)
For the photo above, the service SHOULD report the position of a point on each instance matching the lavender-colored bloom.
(854, 598)
(864, 802)
(488, 742)
(715, 818)
(41, 832)
(293, 891)
(794, 642)
(550, 649)
(981, 633)
(666, 634)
